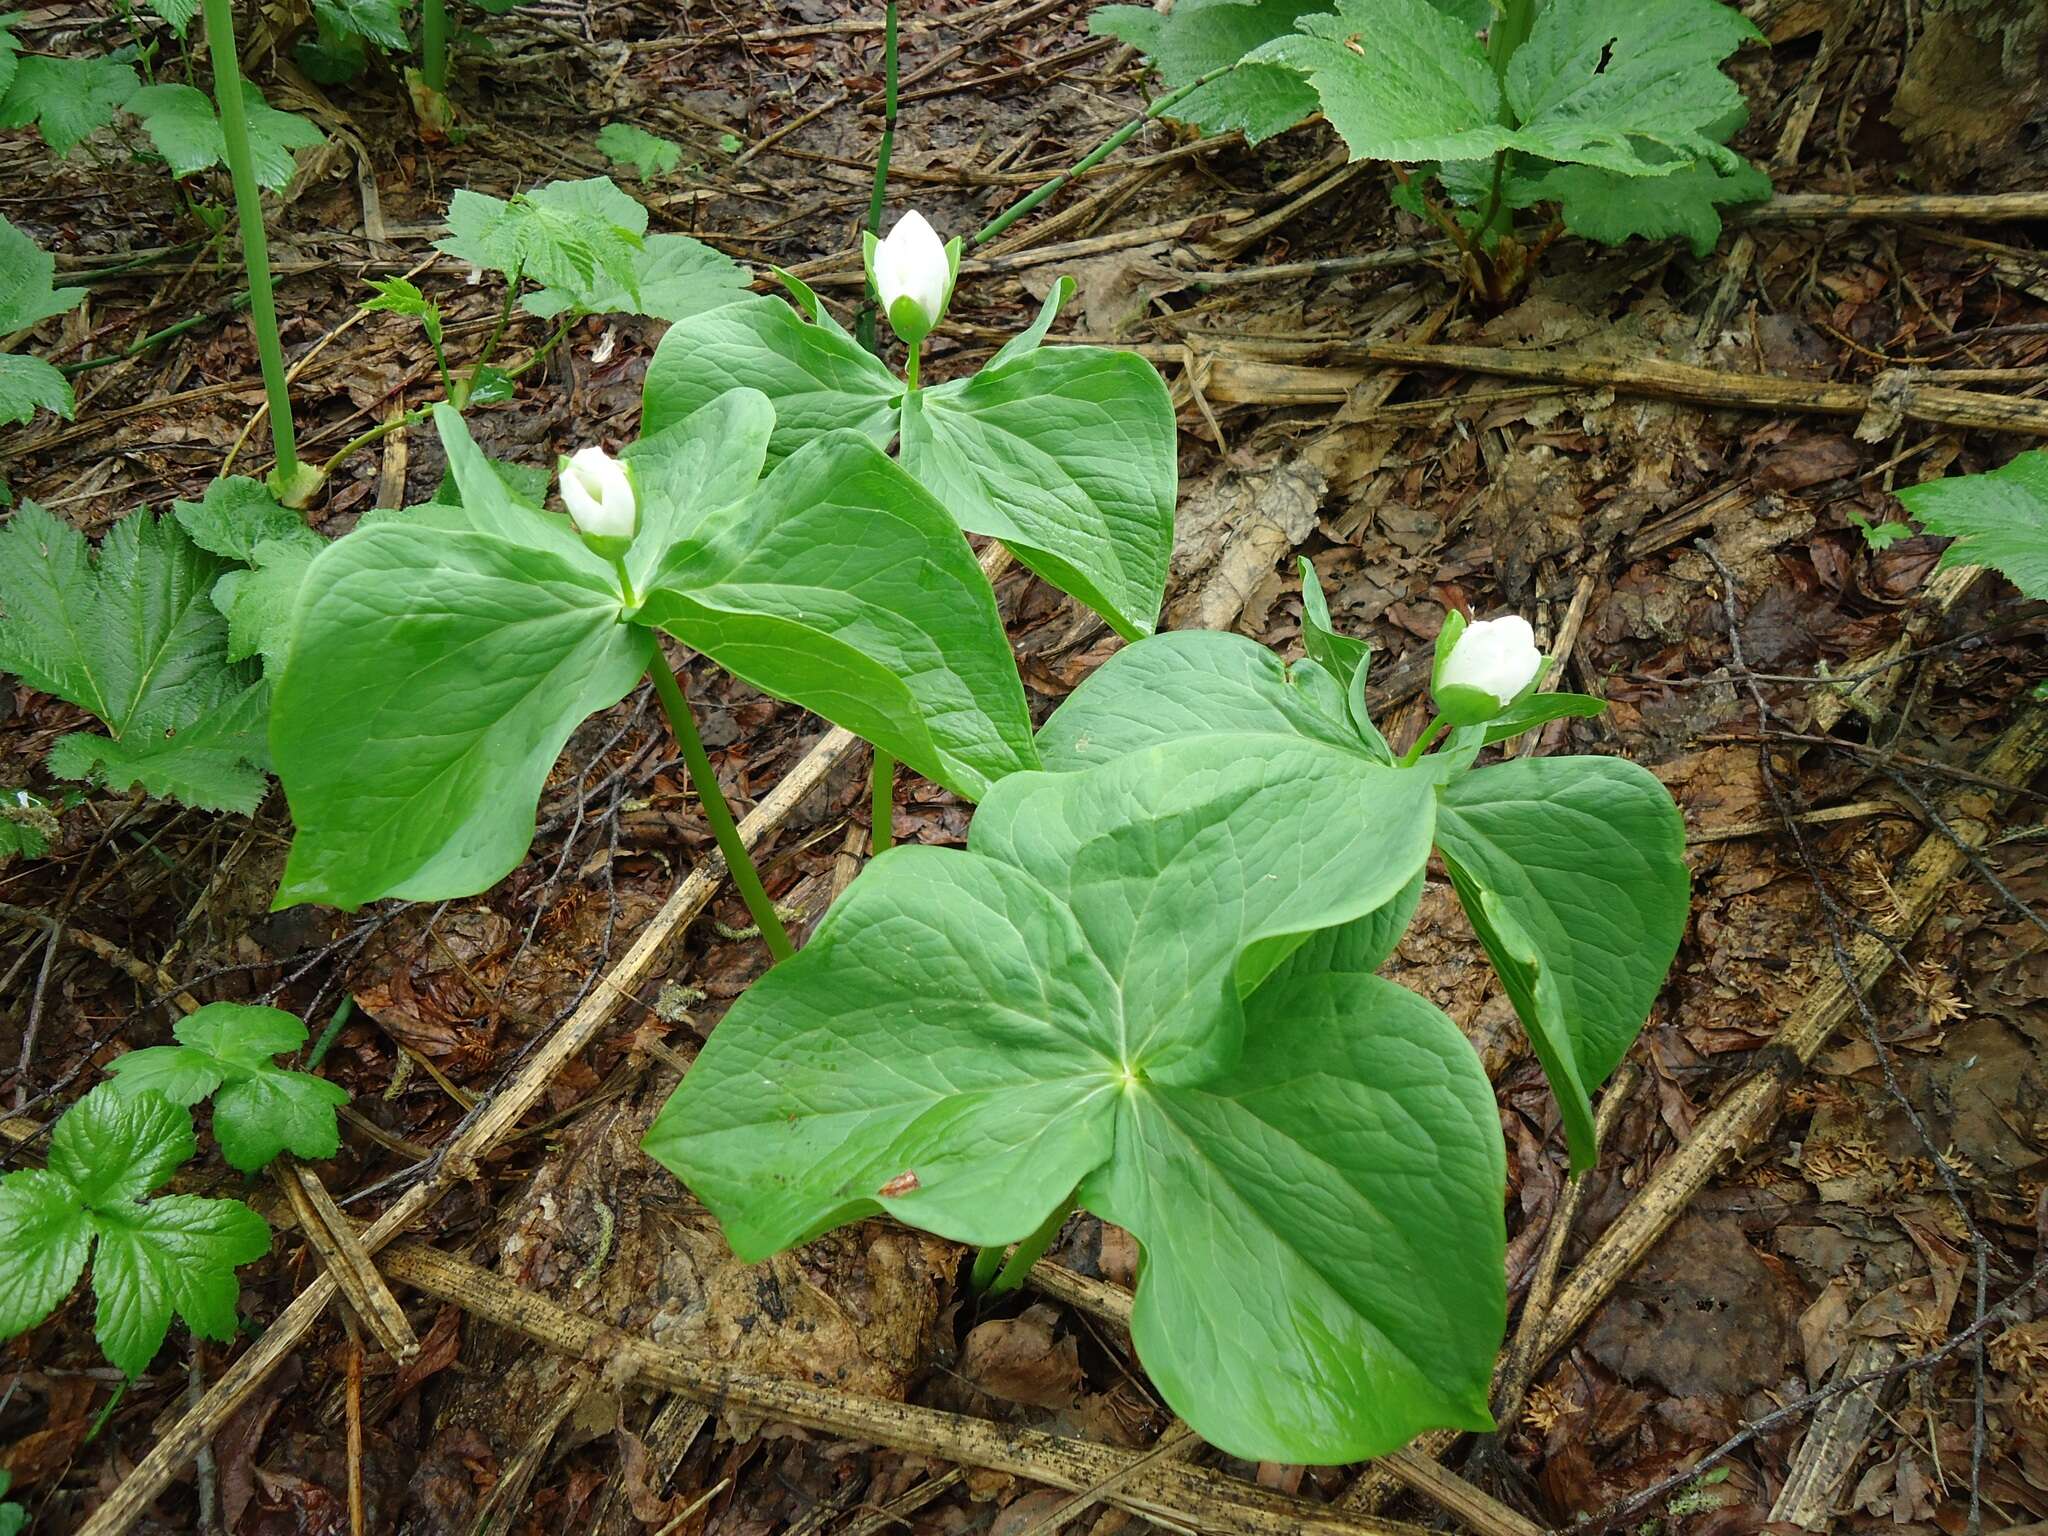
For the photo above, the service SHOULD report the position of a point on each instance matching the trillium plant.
(1146, 988)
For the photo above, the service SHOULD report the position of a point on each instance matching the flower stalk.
(289, 481)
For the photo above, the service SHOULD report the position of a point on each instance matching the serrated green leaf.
(173, 1256)
(1010, 1021)
(66, 99)
(45, 1238)
(27, 275)
(647, 153)
(378, 21)
(579, 236)
(134, 638)
(10, 48)
(259, 1108)
(1999, 519)
(1198, 36)
(181, 121)
(178, 13)
(1255, 99)
(236, 515)
(259, 602)
(674, 277)
(113, 1150)
(1603, 205)
(28, 385)
(330, 57)
(396, 296)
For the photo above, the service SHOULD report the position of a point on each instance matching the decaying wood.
(1834, 1442)
(1889, 207)
(334, 1238)
(1175, 1492)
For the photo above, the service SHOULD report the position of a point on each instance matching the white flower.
(1497, 657)
(599, 494)
(912, 265)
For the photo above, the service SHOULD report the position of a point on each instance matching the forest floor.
(1819, 1214)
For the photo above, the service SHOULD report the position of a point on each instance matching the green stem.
(1087, 162)
(376, 434)
(910, 367)
(460, 398)
(1031, 1250)
(882, 799)
(705, 781)
(988, 1263)
(331, 1033)
(434, 44)
(155, 338)
(234, 125)
(864, 325)
(1423, 742)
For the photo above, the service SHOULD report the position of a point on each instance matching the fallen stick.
(1944, 208)
(1835, 1440)
(1156, 1487)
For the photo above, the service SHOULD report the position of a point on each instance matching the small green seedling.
(151, 1258)
(13, 1518)
(260, 1109)
(27, 297)
(648, 154)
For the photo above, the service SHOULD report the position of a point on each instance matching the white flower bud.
(599, 494)
(913, 276)
(1496, 657)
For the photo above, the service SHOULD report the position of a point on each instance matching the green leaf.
(180, 120)
(1611, 207)
(236, 515)
(437, 667)
(329, 56)
(259, 1108)
(1572, 872)
(1286, 1212)
(673, 278)
(171, 1256)
(1068, 455)
(113, 1150)
(133, 638)
(1999, 519)
(396, 296)
(818, 377)
(259, 603)
(650, 155)
(27, 823)
(67, 99)
(27, 274)
(28, 385)
(1540, 709)
(580, 236)
(45, 1238)
(1340, 655)
(378, 21)
(1006, 1022)
(841, 585)
(10, 48)
(178, 13)
(1198, 36)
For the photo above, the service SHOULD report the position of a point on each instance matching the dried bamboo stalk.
(334, 1238)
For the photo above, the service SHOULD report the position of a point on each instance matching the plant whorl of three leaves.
(1097, 998)
(1066, 454)
(151, 1259)
(441, 659)
(259, 1108)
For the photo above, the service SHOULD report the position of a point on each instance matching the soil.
(1706, 569)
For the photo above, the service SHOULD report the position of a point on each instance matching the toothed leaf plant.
(1146, 987)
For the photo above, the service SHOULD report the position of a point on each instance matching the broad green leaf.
(113, 1149)
(379, 21)
(1356, 948)
(1998, 519)
(818, 377)
(259, 602)
(1198, 36)
(970, 1033)
(178, 13)
(330, 56)
(581, 236)
(1398, 79)
(1255, 99)
(1066, 454)
(437, 667)
(1321, 1227)
(840, 585)
(1540, 709)
(28, 385)
(1611, 207)
(133, 638)
(673, 278)
(259, 1108)
(1183, 684)
(67, 99)
(684, 473)
(171, 1256)
(27, 273)
(181, 121)
(1572, 872)
(649, 154)
(45, 1237)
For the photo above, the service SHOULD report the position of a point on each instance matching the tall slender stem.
(705, 781)
(1087, 162)
(434, 43)
(234, 126)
